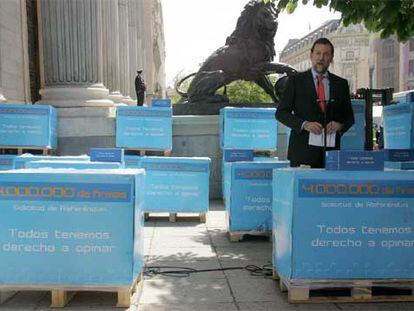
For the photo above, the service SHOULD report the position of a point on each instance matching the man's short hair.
(323, 41)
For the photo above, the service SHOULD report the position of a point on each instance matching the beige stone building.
(351, 59)
(80, 53)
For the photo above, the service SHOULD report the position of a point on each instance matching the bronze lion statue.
(247, 55)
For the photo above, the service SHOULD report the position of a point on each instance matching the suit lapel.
(332, 83)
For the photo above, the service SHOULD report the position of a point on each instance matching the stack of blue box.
(28, 126)
(59, 228)
(176, 185)
(144, 127)
(248, 195)
(247, 179)
(354, 138)
(399, 131)
(248, 128)
(332, 225)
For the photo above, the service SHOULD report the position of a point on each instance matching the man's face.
(321, 57)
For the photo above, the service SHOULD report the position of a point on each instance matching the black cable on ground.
(183, 272)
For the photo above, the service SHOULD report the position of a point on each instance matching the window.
(412, 44)
(388, 46)
(388, 77)
(349, 55)
(411, 68)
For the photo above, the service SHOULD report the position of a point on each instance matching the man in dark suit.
(311, 100)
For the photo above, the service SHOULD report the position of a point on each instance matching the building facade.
(80, 53)
(351, 59)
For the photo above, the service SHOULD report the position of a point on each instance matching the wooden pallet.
(237, 236)
(19, 150)
(61, 295)
(6, 295)
(172, 217)
(349, 291)
(143, 152)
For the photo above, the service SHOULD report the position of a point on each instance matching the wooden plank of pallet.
(275, 275)
(60, 298)
(203, 217)
(129, 296)
(172, 217)
(348, 295)
(6, 295)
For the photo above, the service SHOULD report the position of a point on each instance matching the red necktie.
(321, 92)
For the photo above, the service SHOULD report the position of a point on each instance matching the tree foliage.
(238, 91)
(385, 16)
(246, 92)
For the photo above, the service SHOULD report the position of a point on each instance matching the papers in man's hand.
(317, 140)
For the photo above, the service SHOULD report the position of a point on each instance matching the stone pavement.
(187, 243)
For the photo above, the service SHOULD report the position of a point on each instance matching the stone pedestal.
(198, 136)
(213, 108)
(80, 129)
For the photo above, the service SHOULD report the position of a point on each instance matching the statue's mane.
(248, 24)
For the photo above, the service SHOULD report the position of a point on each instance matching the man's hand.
(333, 127)
(313, 127)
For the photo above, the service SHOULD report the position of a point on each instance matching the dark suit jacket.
(299, 104)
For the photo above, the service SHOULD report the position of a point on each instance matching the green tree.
(238, 91)
(387, 17)
(246, 92)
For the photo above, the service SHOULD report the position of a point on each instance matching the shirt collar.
(315, 74)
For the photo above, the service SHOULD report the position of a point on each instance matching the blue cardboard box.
(407, 165)
(132, 161)
(343, 225)
(248, 128)
(354, 138)
(106, 155)
(73, 164)
(20, 161)
(144, 127)
(265, 159)
(345, 160)
(7, 162)
(399, 155)
(28, 125)
(404, 97)
(71, 228)
(235, 155)
(398, 126)
(175, 185)
(161, 102)
(249, 195)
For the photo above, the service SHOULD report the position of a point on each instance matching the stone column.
(133, 47)
(111, 62)
(70, 42)
(147, 45)
(2, 98)
(124, 51)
